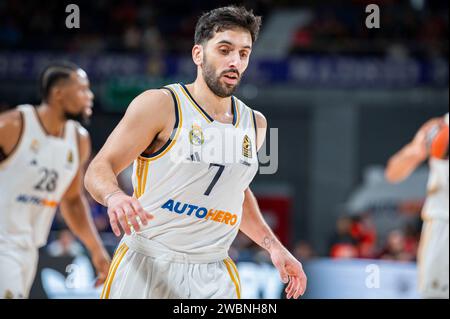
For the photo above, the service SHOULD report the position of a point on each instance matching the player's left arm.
(75, 210)
(256, 228)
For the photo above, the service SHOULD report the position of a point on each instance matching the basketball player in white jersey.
(42, 153)
(433, 254)
(188, 204)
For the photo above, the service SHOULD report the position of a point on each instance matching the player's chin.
(87, 109)
(88, 112)
(229, 88)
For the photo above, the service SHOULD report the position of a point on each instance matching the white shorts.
(432, 258)
(17, 271)
(144, 269)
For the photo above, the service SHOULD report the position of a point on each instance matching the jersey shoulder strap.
(30, 121)
(246, 114)
(72, 136)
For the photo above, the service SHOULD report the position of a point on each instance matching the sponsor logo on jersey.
(70, 157)
(196, 135)
(214, 215)
(8, 294)
(247, 147)
(35, 200)
(69, 163)
(34, 146)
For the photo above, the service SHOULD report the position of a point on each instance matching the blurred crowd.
(356, 237)
(417, 28)
(152, 27)
(412, 27)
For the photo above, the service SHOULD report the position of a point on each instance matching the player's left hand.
(291, 272)
(101, 262)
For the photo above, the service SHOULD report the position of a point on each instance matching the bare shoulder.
(150, 111)
(261, 121)
(261, 128)
(11, 118)
(152, 102)
(10, 129)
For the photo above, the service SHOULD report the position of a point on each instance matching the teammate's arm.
(145, 117)
(10, 131)
(406, 160)
(75, 210)
(256, 228)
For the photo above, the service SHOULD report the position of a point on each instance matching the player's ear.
(197, 54)
(56, 92)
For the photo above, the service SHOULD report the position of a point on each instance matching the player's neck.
(53, 122)
(213, 105)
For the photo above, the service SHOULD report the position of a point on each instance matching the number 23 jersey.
(194, 185)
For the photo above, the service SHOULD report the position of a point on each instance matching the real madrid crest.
(247, 147)
(196, 135)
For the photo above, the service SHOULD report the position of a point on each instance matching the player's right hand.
(126, 211)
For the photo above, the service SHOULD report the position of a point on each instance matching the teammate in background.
(430, 142)
(188, 205)
(42, 154)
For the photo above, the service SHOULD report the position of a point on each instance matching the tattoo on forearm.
(267, 242)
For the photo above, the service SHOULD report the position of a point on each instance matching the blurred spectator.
(342, 244)
(343, 251)
(132, 38)
(355, 237)
(65, 245)
(303, 251)
(364, 233)
(244, 249)
(412, 237)
(395, 248)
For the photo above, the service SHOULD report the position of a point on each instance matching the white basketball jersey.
(436, 203)
(33, 180)
(194, 185)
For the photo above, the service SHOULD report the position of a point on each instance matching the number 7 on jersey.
(215, 179)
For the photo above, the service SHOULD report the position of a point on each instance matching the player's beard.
(80, 117)
(213, 81)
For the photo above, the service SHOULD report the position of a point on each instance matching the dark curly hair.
(225, 18)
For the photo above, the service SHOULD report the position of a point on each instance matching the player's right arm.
(406, 160)
(10, 130)
(146, 116)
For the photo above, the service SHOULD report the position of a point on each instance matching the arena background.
(342, 98)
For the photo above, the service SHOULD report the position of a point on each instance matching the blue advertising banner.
(305, 71)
